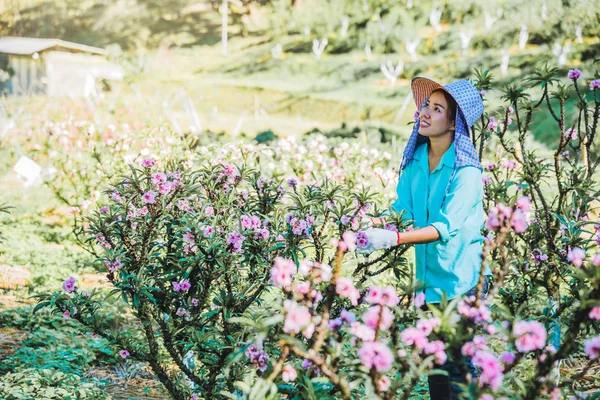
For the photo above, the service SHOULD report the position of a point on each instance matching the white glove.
(378, 239)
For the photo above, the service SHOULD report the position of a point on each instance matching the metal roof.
(29, 46)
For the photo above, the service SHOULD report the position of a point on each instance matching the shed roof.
(29, 46)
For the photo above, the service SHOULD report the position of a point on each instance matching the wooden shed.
(54, 67)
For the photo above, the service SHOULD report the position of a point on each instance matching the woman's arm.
(419, 236)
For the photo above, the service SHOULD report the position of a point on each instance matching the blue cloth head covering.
(469, 109)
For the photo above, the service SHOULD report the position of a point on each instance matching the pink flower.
(384, 383)
(592, 348)
(518, 221)
(530, 336)
(176, 286)
(428, 325)
(347, 316)
(595, 313)
(376, 355)
(185, 285)
(349, 238)
(209, 211)
(149, 197)
(486, 396)
(482, 92)
(158, 178)
(344, 287)
(576, 256)
(486, 180)
(362, 239)
(164, 188)
(574, 74)
(289, 374)
(437, 347)
(67, 314)
(524, 203)
(296, 317)
(282, 272)
(362, 332)
(372, 317)
(507, 357)
(389, 296)
(414, 336)
(124, 353)
(419, 300)
(595, 84)
(208, 231)
(570, 133)
(555, 394)
(148, 163)
(596, 259)
(511, 110)
(491, 369)
(374, 295)
(492, 124)
(69, 285)
(477, 344)
(490, 167)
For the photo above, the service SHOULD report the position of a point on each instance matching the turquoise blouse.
(450, 265)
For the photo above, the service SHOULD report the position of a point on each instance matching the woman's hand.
(378, 239)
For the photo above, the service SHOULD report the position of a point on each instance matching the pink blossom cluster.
(148, 163)
(300, 226)
(184, 313)
(492, 124)
(250, 222)
(348, 242)
(259, 358)
(362, 239)
(282, 272)
(538, 256)
(136, 212)
(387, 296)
(491, 369)
(288, 374)
(190, 246)
(570, 133)
(102, 241)
(376, 355)
(501, 213)
(529, 336)
(595, 313)
(479, 315)
(591, 348)
(182, 286)
(69, 285)
(576, 256)
(113, 266)
(235, 242)
(477, 344)
(595, 84)
(297, 318)
(509, 164)
(574, 74)
(353, 221)
(344, 287)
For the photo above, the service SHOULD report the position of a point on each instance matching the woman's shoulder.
(468, 174)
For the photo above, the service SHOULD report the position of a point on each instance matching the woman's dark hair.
(451, 113)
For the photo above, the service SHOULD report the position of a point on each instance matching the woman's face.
(434, 117)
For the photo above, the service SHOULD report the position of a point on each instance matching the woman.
(441, 190)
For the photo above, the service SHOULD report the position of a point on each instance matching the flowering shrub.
(191, 251)
(241, 280)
